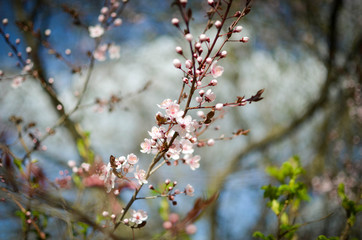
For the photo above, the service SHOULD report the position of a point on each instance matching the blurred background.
(306, 55)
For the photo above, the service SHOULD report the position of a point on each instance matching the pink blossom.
(146, 146)
(209, 96)
(132, 159)
(120, 161)
(100, 53)
(17, 81)
(140, 175)
(187, 146)
(184, 125)
(174, 150)
(157, 132)
(165, 103)
(85, 166)
(108, 177)
(189, 190)
(173, 110)
(138, 216)
(95, 31)
(64, 182)
(216, 70)
(114, 51)
(193, 161)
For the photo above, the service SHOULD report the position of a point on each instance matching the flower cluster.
(162, 138)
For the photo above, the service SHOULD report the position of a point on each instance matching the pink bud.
(179, 50)
(201, 93)
(199, 99)
(244, 39)
(199, 59)
(188, 37)
(117, 22)
(213, 82)
(238, 29)
(219, 106)
(223, 54)
(175, 21)
(209, 60)
(104, 10)
(188, 64)
(101, 18)
(191, 229)
(218, 24)
(167, 225)
(5, 21)
(203, 37)
(47, 32)
(177, 63)
(211, 142)
(197, 45)
(210, 2)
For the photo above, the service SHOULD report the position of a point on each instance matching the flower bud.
(244, 39)
(223, 54)
(188, 64)
(218, 24)
(117, 22)
(179, 50)
(209, 60)
(188, 37)
(219, 106)
(203, 37)
(175, 21)
(238, 29)
(211, 142)
(177, 63)
(5, 21)
(213, 82)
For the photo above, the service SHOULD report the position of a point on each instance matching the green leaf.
(275, 206)
(164, 209)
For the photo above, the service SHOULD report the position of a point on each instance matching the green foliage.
(351, 207)
(285, 197)
(322, 237)
(84, 148)
(258, 234)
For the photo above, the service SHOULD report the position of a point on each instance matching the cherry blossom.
(146, 146)
(96, 31)
(132, 159)
(173, 111)
(108, 177)
(185, 125)
(189, 190)
(187, 146)
(216, 70)
(140, 175)
(209, 96)
(138, 216)
(17, 81)
(114, 51)
(100, 53)
(165, 103)
(193, 161)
